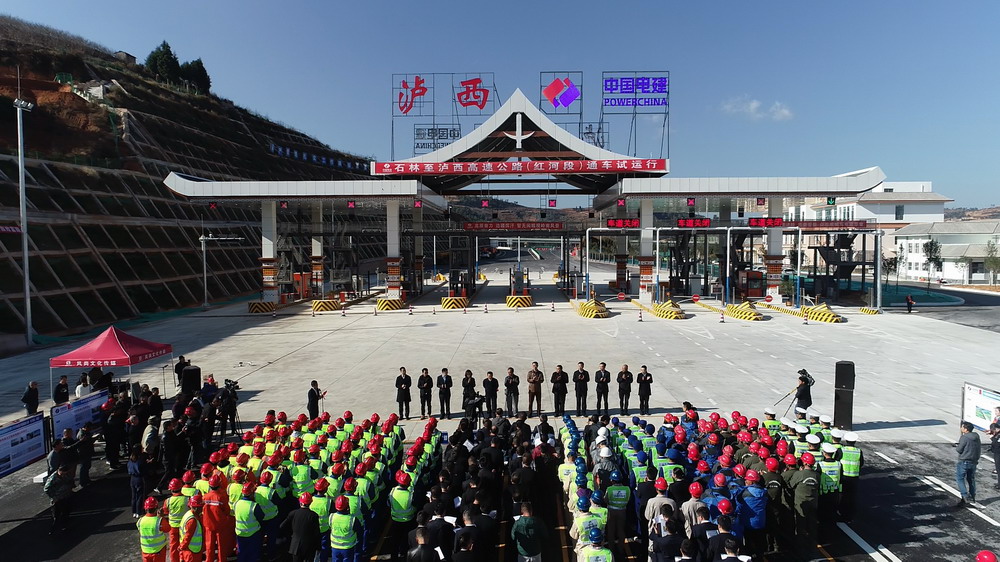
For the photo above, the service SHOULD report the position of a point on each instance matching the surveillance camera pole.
(23, 106)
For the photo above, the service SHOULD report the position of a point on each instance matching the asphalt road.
(979, 311)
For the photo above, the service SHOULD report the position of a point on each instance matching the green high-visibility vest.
(639, 472)
(668, 471)
(316, 464)
(585, 522)
(176, 508)
(308, 439)
(827, 434)
(321, 506)
(829, 476)
(596, 554)
(771, 425)
(342, 534)
(300, 479)
(851, 461)
(618, 496)
(354, 504)
(246, 523)
(198, 536)
(151, 538)
(401, 504)
(264, 495)
(199, 486)
(235, 493)
(364, 491)
(601, 513)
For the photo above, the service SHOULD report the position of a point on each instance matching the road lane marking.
(712, 400)
(730, 363)
(947, 439)
(906, 419)
(861, 543)
(826, 381)
(886, 458)
(649, 348)
(928, 394)
(984, 517)
(742, 371)
(643, 343)
(874, 404)
(885, 552)
(789, 364)
(700, 391)
(937, 482)
(658, 355)
(717, 356)
(686, 379)
(776, 391)
(675, 369)
(931, 484)
(665, 361)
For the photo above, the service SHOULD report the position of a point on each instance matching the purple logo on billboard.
(561, 91)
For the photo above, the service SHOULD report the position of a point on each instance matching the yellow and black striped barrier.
(867, 310)
(593, 309)
(260, 307)
(454, 303)
(823, 313)
(325, 305)
(743, 311)
(482, 277)
(389, 304)
(440, 277)
(668, 310)
(784, 309)
(519, 301)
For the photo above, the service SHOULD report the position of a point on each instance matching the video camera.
(231, 384)
(809, 378)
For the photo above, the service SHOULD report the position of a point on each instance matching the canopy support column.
(393, 262)
(646, 288)
(268, 257)
(774, 258)
(317, 282)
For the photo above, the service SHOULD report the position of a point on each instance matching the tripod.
(789, 404)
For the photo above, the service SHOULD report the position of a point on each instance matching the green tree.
(932, 253)
(195, 73)
(992, 262)
(890, 265)
(163, 62)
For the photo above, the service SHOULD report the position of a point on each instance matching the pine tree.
(163, 62)
(195, 73)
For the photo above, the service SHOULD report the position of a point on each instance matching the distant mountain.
(972, 214)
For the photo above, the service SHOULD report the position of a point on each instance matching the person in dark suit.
(425, 384)
(700, 530)
(624, 389)
(440, 532)
(303, 524)
(717, 544)
(403, 384)
(603, 378)
(666, 540)
(645, 381)
(465, 549)
(444, 384)
(491, 387)
(315, 395)
(510, 384)
(469, 529)
(580, 379)
(422, 552)
(559, 380)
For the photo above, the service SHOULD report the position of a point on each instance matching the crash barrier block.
(519, 301)
(743, 311)
(593, 309)
(440, 277)
(555, 276)
(325, 306)
(482, 277)
(668, 310)
(389, 304)
(784, 309)
(867, 310)
(454, 303)
(260, 307)
(823, 313)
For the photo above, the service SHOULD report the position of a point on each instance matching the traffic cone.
(486, 309)
(314, 313)
(805, 319)
(722, 317)
(274, 312)
(553, 308)
(640, 315)
(434, 311)
(411, 310)
(464, 310)
(343, 311)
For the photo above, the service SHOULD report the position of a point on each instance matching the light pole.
(23, 106)
(204, 261)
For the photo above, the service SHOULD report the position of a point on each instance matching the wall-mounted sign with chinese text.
(766, 222)
(635, 92)
(655, 165)
(694, 223)
(477, 226)
(623, 223)
(827, 225)
(413, 95)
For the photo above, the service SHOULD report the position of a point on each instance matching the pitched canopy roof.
(542, 139)
(113, 348)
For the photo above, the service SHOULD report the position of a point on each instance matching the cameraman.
(227, 408)
(803, 392)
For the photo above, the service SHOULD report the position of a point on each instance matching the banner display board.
(75, 413)
(979, 405)
(655, 165)
(22, 443)
(475, 226)
(635, 92)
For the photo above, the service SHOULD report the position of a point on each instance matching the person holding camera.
(803, 392)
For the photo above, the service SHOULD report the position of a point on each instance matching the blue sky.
(757, 88)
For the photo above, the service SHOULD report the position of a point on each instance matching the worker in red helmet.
(249, 517)
(690, 507)
(266, 497)
(322, 505)
(345, 530)
(778, 516)
(218, 521)
(803, 499)
(303, 526)
(402, 511)
(302, 474)
(235, 488)
(174, 508)
(202, 485)
(314, 461)
(188, 481)
(192, 531)
(153, 532)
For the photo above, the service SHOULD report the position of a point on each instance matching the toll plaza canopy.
(112, 348)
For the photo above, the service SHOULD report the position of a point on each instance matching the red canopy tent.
(112, 348)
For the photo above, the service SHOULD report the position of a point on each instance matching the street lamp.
(23, 106)
(204, 261)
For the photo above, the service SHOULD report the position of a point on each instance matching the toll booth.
(462, 263)
(749, 284)
(520, 282)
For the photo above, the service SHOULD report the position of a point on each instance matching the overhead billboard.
(979, 405)
(75, 413)
(635, 92)
(21, 443)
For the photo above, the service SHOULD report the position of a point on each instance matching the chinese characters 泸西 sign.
(635, 92)
(412, 95)
(624, 166)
